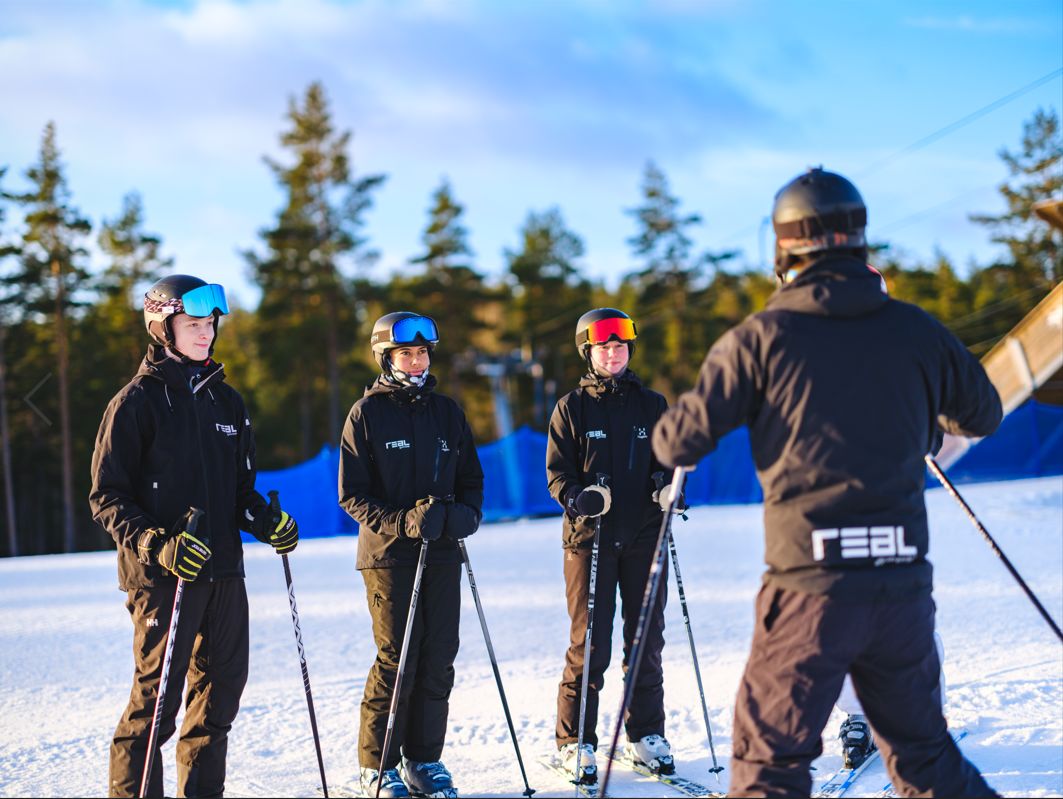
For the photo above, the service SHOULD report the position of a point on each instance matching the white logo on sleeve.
(402, 443)
(885, 541)
(228, 429)
(596, 434)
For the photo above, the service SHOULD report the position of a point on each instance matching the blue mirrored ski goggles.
(205, 300)
(409, 330)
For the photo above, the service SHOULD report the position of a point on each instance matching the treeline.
(71, 330)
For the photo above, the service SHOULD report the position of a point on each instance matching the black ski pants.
(803, 646)
(625, 568)
(428, 677)
(211, 647)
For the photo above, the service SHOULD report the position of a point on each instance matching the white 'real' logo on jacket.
(402, 443)
(596, 434)
(228, 429)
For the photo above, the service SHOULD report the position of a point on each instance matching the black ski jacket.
(400, 445)
(604, 427)
(163, 447)
(844, 391)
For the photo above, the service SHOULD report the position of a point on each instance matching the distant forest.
(72, 333)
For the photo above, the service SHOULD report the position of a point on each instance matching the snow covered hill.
(66, 662)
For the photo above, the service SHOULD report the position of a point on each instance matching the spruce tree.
(306, 313)
(549, 295)
(452, 292)
(6, 250)
(51, 271)
(669, 284)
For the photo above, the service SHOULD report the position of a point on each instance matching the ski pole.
(716, 767)
(940, 475)
(275, 509)
(649, 599)
(191, 523)
(528, 790)
(602, 480)
(389, 732)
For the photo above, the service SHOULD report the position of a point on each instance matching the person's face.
(411, 360)
(610, 358)
(193, 335)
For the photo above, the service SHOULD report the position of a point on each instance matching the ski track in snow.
(66, 663)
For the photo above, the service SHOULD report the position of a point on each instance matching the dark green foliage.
(302, 356)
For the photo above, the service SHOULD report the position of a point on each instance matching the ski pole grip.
(275, 505)
(658, 480)
(192, 520)
(603, 479)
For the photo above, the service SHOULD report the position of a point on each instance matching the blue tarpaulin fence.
(1029, 443)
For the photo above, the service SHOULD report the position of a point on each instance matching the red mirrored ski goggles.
(604, 329)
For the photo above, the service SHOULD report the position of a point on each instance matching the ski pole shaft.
(274, 504)
(940, 475)
(191, 523)
(528, 790)
(585, 683)
(716, 767)
(649, 600)
(390, 730)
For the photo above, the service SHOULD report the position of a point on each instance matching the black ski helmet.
(587, 325)
(401, 329)
(166, 299)
(815, 212)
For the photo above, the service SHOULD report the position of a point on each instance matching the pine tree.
(671, 326)
(134, 263)
(306, 304)
(1036, 173)
(452, 292)
(50, 273)
(549, 295)
(10, 515)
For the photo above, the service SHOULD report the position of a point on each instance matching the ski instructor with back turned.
(177, 438)
(844, 391)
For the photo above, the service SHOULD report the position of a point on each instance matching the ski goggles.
(604, 329)
(414, 328)
(205, 300)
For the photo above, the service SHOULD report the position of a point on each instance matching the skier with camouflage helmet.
(178, 437)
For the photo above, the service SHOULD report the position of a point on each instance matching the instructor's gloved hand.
(426, 519)
(462, 520)
(593, 501)
(664, 490)
(180, 553)
(275, 527)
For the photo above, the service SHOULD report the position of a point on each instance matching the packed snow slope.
(66, 661)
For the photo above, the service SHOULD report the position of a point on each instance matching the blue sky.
(527, 105)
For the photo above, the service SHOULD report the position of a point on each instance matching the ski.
(553, 763)
(887, 789)
(842, 779)
(681, 784)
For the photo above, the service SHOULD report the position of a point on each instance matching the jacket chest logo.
(596, 434)
(443, 446)
(228, 429)
(640, 432)
(401, 443)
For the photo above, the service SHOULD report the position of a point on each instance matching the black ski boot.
(857, 741)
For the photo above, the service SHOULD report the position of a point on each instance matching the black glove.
(662, 492)
(593, 501)
(179, 551)
(426, 519)
(272, 526)
(462, 520)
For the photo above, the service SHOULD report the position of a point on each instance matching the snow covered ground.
(65, 660)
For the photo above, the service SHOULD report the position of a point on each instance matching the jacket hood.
(400, 393)
(160, 366)
(834, 286)
(596, 385)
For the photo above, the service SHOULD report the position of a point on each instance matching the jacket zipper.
(202, 464)
(439, 453)
(631, 449)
